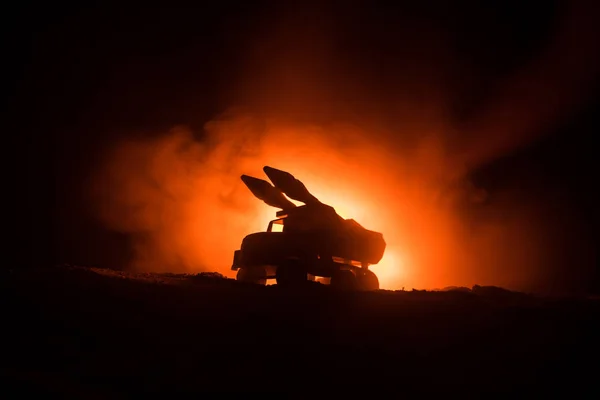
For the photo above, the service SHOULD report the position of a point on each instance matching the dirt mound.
(111, 334)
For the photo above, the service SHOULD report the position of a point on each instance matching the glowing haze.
(180, 197)
(184, 203)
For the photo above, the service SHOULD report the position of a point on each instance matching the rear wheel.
(344, 279)
(367, 280)
(256, 275)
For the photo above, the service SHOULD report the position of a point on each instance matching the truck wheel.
(291, 274)
(256, 275)
(367, 280)
(344, 279)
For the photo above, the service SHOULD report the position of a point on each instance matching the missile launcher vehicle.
(312, 240)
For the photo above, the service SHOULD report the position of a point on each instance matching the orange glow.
(400, 167)
(390, 268)
(187, 210)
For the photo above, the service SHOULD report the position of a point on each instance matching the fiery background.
(388, 116)
(184, 201)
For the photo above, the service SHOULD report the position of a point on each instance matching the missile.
(266, 192)
(289, 185)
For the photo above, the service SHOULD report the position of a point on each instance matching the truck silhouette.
(313, 240)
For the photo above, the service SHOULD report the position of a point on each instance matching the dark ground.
(92, 333)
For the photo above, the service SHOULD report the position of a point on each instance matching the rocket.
(284, 184)
(266, 192)
(289, 185)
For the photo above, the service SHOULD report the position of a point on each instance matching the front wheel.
(256, 275)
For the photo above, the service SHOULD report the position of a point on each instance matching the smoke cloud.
(180, 197)
(186, 208)
(541, 94)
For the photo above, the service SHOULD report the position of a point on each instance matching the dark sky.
(86, 75)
